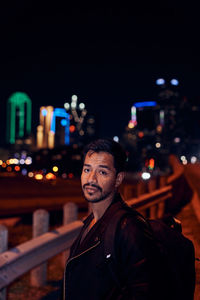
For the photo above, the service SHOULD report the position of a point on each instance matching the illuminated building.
(18, 117)
(49, 128)
(64, 122)
(46, 113)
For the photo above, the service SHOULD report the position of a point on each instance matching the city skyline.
(109, 56)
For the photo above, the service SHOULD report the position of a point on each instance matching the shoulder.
(133, 231)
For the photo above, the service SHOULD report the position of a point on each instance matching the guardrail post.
(70, 214)
(40, 226)
(3, 248)
(152, 187)
(161, 205)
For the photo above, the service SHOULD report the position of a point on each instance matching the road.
(22, 194)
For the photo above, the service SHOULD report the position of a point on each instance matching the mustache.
(92, 185)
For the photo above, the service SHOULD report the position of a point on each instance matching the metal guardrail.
(21, 259)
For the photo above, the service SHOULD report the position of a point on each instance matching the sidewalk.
(191, 229)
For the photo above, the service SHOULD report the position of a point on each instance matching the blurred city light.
(64, 175)
(17, 168)
(151, 163)
(28, 160)
(55, 168)
(160, 81)
(193, 159)
(145, 175)
(67, 106)
(177, 140)
(141, 134)
(145, 104)
(131, 124)
(50, 176)
(174, 82)
(72, 128)
(81, 106)
(116, 138)
(30, 174)
(158, 145)
(24, 172)
(44, 112)
(22, 161)
(74, 98)
(183, 157)
(63, 122)
(38, 176)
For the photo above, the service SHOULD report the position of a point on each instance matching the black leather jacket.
(88, 274)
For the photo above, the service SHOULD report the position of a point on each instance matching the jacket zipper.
(73, 259)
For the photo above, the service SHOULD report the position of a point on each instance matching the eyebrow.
(101, 166)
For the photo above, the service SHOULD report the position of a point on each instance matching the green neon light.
(18, 100)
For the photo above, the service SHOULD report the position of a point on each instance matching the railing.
(21, 259)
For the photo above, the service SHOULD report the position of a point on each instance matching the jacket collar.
(98, 229)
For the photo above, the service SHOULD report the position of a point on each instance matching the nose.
(92, 177)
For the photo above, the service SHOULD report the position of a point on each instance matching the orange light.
(4, 165)
(50, 176)
(141, 134)
(1, 162)
(8, 162)
(17, 168)
(131, 124)
(151, 163)
(159, 128)
(38, 176)
(9, 169)
(72, 128)
(30, 174)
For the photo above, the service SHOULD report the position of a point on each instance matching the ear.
(119, 179)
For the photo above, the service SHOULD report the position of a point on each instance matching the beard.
(101, 197)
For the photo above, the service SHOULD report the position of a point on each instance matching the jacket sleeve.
(134, 270)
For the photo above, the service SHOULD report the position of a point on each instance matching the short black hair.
(109, 146)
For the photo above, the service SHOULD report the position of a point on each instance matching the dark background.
(109, 55)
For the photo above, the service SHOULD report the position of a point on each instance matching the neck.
(99, 208)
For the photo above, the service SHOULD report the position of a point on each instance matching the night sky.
(110, 56)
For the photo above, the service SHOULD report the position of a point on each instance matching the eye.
(102, 172)
(86, 170)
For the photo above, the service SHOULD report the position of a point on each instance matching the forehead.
(99, 158)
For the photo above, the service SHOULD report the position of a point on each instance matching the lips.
(91, 189)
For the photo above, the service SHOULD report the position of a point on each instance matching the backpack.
(177, 258)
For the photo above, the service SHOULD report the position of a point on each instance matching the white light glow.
(67, 106)
(74, 98)
(73, 105)
(160, 81)
(193, 159)
(81, 106)
(158, 145)
(183, 157)
(174, 82)
(22, 161)
(116, 138)
(145, 175)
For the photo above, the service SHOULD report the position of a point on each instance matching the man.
(89, 273)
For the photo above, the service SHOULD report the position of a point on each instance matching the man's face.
(99, 179)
